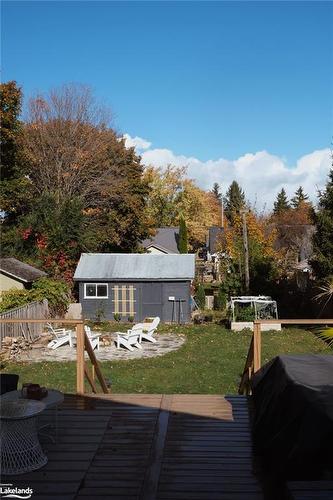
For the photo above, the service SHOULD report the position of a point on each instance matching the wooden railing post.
(256, 346)
(80, 372)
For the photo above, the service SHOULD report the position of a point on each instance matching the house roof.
(125, 267)
(165, 239)
(20, 270)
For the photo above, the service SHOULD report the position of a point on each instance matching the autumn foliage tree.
(263, 258)
(87, 187)
(172, 195)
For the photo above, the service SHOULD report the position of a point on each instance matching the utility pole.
(222, 211)
(246, 252)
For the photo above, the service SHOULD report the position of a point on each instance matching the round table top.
(53, 397)
(20, 409)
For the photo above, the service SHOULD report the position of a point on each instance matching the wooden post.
(256, 346)
(80, 359)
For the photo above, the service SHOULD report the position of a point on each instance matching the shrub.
(130, 319)
(99, 314)
(57, 293)
(220, 300)
(117, 317)
(244, 313)
(201, 297)
(14, 298)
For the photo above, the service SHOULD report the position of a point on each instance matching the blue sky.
(205, 80)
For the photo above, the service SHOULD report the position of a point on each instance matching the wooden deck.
(147, 447)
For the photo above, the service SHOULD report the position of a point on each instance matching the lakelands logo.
(8, 491)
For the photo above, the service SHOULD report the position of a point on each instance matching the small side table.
(21, 451)
(52, 400)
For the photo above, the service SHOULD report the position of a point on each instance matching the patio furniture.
(61, 337)
(53, 399)
(8, 382)
(130, 339)
(93, 337)
(148, 330)
(20, 448)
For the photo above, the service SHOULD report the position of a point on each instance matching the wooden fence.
(253, 359)
(29, 331)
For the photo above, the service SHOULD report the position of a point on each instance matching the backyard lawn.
(210, 362)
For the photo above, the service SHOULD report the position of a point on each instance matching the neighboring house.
(135, 285)
(15, 274)
(165, 241)
(214, 239)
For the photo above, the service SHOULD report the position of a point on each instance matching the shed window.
(123, 299)
(95, 291)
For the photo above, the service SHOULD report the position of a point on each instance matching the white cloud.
(261, 174)
(136, 142)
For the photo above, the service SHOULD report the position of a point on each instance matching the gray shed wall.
(151, 299)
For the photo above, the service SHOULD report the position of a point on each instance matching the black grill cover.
(293, 421)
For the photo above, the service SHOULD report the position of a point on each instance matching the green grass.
(210, 362)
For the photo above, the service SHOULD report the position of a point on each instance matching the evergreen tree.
(300, 198)
(322, 261)
(183, 242)
(201, 297)
(234, 200)
(216, 192)
(281, 204)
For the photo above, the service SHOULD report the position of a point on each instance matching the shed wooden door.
(151, 299)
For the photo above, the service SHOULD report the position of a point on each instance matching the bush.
(57, 293)
(117, 317)
(220, 300)
(244, 313)
(201, 297)
(14, 298)
(99, 314)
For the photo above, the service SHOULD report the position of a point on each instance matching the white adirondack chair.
(148, 330)
(129, 339)
(61, 336)
(93, 337)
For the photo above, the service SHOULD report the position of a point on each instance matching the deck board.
(147, 447)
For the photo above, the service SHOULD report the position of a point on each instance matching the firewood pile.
(13, 346)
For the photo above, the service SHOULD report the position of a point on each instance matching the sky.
(233, 90)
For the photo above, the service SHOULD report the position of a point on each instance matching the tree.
(183, 244)
(281, 204)
(216, 192)
(300, 198)
(172, 196)
(263, 259)
(14, 184)
(234, 201)
(87, 187)
(322, 261)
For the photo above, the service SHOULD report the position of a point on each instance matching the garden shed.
(135, 286)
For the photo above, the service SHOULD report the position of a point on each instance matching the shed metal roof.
(115, 266)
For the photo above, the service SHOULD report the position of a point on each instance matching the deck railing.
(253, 359)
(82, 345)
